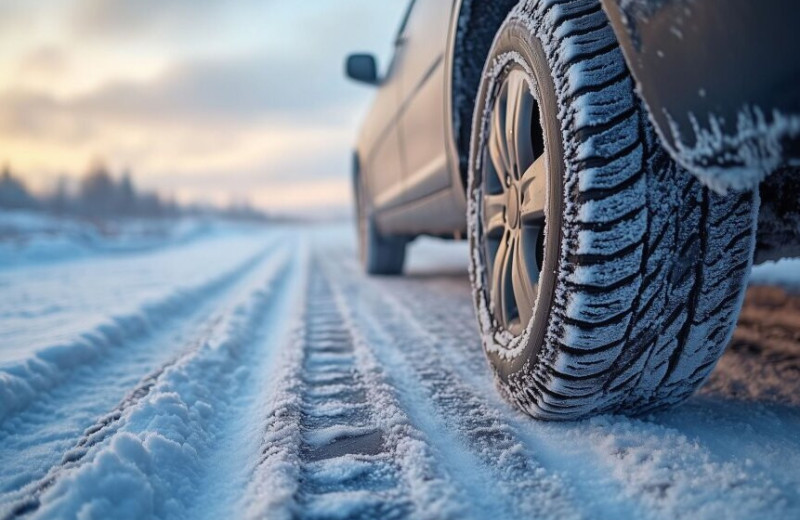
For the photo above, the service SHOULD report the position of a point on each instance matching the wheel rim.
(514, 218)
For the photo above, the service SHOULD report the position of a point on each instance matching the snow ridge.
(21, 382)
(144, 459)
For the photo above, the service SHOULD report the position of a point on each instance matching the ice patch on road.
(432, 255)
(322, 437)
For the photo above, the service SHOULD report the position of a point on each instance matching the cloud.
(242, 87)
(246, 126)
(249, 126)
(13, 14)
(236, 91)
(46, 63)
(195, 96)
(123, 18)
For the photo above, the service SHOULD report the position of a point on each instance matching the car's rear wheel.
(380, 254)
(605, 277)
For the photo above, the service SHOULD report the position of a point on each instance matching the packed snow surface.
(256, 372)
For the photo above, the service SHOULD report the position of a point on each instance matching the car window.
(399, 37)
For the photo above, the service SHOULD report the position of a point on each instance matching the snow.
(784, 272)
(56, 318)
(737, 160)
(158, 453)
(282, 383)
(30, 237)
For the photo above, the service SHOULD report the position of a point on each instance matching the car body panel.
(379, 147)
(427, 196)
(422, 121)
(720, 80)
(409, 158)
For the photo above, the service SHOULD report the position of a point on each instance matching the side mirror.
(362, 68)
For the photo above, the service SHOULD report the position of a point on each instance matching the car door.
(422, 109)
(385, 163)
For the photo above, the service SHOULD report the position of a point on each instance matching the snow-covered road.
(261, 375)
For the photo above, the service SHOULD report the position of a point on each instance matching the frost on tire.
(651, 266)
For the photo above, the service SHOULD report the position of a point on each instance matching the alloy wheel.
(514, 216)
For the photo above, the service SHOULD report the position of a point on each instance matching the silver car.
(603, 158)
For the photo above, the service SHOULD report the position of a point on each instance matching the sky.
(208, 101)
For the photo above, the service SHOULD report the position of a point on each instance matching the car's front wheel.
(605, 277)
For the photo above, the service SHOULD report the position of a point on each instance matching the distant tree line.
(99, 195)
(14, 194)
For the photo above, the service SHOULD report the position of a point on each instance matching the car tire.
(640, 271)
(379, 254)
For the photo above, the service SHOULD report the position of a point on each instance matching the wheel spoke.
(494, 208)
(497, 143)
(496, 163)
(534, 190)
(525, 274)
(501, 287)
(509, 302)
(519, 121)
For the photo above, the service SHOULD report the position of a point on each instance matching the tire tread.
(653, 265)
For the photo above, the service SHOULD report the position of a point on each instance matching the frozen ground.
(258, 373)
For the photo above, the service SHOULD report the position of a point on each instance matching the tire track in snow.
(35, 438)
(379, 404)
(155, 438)
(229, 466)
(649, 467)
(23, 382)
(336, 442)
(345, 467)
(445, 321)
(25, 426)
(466, 427)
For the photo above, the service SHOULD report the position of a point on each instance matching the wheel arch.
(473, 27)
